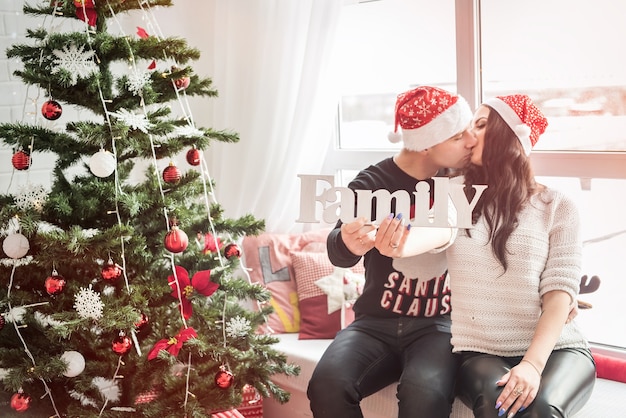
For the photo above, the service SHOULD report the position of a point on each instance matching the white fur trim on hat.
(521, 130)
(450, 122)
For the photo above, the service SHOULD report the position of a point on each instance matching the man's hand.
(358, 236)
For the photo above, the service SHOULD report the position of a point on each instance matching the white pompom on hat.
(523, 117)
(428, 116)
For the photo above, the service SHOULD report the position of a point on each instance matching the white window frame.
(580, 164)
(584, 165)
(576, 164)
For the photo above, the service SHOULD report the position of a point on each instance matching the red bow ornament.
(211, 244)
(141, 32)
(172, 345)
(183, 287)
(86, 11)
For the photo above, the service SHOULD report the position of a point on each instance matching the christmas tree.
(121, 293)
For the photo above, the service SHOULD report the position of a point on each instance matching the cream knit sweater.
(495, 312)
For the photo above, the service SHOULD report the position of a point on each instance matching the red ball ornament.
(20, 402)
(193, 156)
(54, 283)
(142, 323)
(51, 110)
(176, 240)
(171, 174)
(224, 378)
(111, 271)
(21, 160)
(232, 250)
(121, 344)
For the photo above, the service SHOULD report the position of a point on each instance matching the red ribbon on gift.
(173, 344)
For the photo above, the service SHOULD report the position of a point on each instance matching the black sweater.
(387, 292)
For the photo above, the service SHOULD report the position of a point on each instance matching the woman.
(514, 278)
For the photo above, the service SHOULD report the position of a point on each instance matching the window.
(384, 48)
(604, 242)
(562, 53)
(559, 53)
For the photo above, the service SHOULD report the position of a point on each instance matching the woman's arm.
(526, 376)
(556, 306)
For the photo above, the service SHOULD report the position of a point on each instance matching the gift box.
(232, 413)
(252, 404)
(254, 411)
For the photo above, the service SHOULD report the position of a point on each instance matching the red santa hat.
(429, 116)
(523, 117)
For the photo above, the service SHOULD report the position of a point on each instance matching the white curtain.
(269, 62)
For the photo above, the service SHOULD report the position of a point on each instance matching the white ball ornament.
(102, 163)
(15, 245)
(75, 363)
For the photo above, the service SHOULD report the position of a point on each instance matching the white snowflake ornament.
(133, 120)
(76, 61)
(31, 196)
(108, 388)
(186, 131)
(88, 304)
(137, 80)
(238, 327)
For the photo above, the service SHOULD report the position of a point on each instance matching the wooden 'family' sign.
(347, 204)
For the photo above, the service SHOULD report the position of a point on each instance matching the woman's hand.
(391, 236)
(520, 387)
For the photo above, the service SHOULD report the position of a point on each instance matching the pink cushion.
(315, 321)
(611, 368)
(269, 263)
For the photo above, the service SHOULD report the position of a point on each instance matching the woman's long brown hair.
(507, 172)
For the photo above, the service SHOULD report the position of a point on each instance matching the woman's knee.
(540, 408)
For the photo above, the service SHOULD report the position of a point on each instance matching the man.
(402, 328)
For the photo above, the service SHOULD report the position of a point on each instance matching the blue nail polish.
(521, 409)
(501, 412)
(399, 216)
(390, 216)
(498, 405)
(408, 227)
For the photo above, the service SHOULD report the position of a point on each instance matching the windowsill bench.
(606, 401)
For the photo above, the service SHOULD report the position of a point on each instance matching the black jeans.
(372, 353)
(566, 383)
